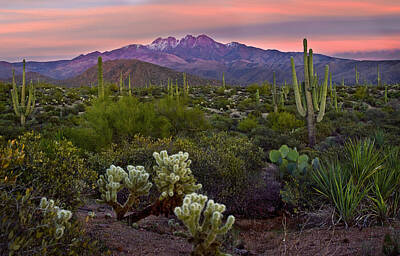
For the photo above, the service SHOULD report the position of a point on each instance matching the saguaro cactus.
(129, 85)
(100, 82)
(308, 111)
(204, 234)
(379, 75)
(274, 94)
(121, 84)
(357, 74)
(23, 109)
(223, 80)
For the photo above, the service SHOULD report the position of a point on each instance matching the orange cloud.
(78, 30)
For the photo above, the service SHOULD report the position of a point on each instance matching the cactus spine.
(274, 94)
(21, 109)
(308, 110)
(100, 84)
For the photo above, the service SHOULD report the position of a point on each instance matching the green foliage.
(247, 124)
(294, 170)
(26, 229)
(107, 121)
(54, 168)
(335, 183)
(284, 121)
(203, 234)
(180, 117)
(361, 93)
(235, 160)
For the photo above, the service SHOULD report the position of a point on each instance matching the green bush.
(247, 124)
(25, 230)
(215, 157)
(284, 121)
(228, 167)
(54, 168)
(180, 117)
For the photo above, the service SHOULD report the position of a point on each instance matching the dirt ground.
(274, 236)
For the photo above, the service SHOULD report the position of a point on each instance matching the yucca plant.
(386, 185)
(337, 185)
(364, 159)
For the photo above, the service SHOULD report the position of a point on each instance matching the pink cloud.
(77, 30)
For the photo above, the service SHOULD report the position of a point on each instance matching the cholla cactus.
(61, 217)
(174, 176)
(203, 235)
(115, 179)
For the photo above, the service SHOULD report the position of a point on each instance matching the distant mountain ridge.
(141, 73)
(203, 56)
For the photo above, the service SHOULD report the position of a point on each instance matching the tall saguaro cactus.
(357, 74)
(23, 109)
(379, 75)
(274, 94)
(100, 84)
(308, 111)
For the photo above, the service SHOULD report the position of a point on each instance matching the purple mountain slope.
(205, 57)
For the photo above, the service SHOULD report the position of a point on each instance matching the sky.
(50, 30)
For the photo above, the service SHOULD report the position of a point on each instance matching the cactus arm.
(120, 83)
(315, 88)
(29, 107)
(323, 99)
(14, 96)
(296, 90)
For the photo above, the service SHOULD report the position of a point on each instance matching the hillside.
(141, 74)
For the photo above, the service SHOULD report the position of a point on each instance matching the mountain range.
(204, 57)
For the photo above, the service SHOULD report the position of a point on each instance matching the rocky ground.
(273, 236)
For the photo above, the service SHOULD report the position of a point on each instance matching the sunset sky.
(50, 29)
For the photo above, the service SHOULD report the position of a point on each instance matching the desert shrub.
(54, 168)
(215, 157)
(246, 104)
(26, 230)
(110, 121)
(228, 167)
(221, 122)
(180, 118)
(268, 139)
(247, 124)
(284, 121)
(135, 151)
(361, 92)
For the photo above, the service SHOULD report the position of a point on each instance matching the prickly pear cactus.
(61, 217)
(204, 234)
(173, 175)
(290, 160)
(136, 180)
(294, 171)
